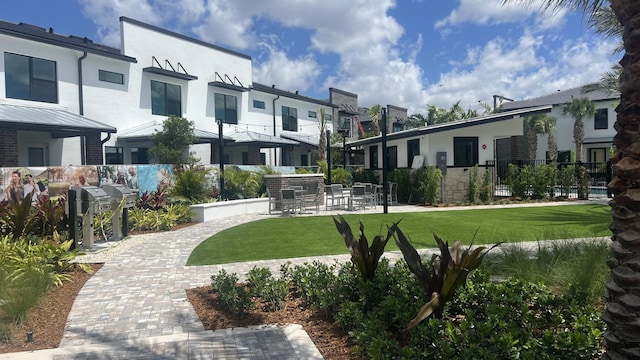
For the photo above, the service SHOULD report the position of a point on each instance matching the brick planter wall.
(275, 183)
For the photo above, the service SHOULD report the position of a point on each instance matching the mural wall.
(55, 181)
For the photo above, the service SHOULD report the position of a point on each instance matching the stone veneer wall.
(276, 182)
(456, 184)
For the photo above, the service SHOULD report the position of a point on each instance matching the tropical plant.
(427, 184)
(548, 125)
(374, 113)
(486, 189)
(240, 184)
(533, 126)
(170, 146)
(364, 257)
(443, 275)
(18, 218)
(579, 108)
(191, 184)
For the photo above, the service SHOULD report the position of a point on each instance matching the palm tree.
(579, 108)
(416, 120)
(533, 127)
(549, 125)
(322, 143)
(374, 113)
(622, 315)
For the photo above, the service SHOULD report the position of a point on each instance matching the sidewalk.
(135, 307)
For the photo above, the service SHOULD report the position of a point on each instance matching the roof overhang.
(169, 73)
(307, 139)
(480, 120)
(262, 140)
(59, 122)
(228, 86)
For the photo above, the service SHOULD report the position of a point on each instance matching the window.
(258, 104)
(396, 126)
(465, 151)
(112, 77)
(165, 99)
(344, 127)
(327, 117)
(313, 114)
(564, 156)
(304, 160)
(226, 108)
(373, 157)
(413, 149)
(36, 156)
(289, 118)
(113, 155)
(30, 78)
(601, 119)
(392, 158)
(139, 155)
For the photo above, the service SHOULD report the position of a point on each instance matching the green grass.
(281, 238)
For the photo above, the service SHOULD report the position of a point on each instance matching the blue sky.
(409, 54)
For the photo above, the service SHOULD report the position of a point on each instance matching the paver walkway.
(135, 307)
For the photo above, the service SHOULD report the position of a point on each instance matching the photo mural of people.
(18, 182)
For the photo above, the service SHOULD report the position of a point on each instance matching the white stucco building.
(68, 100)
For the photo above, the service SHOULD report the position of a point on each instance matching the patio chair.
(370, 193)
(273, 202)
(393, 194)
(359, 197)
(312, 196)
(335, 194)
(290, 202)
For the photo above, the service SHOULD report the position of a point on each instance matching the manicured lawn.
(281, 238)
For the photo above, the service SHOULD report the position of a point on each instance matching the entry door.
(597, 155)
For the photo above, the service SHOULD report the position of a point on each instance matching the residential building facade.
(68, 100)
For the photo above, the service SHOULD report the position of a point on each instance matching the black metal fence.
(599, 175)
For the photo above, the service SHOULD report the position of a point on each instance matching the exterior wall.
(338, 97)
(564, 134)
(8, 147)
(456, 184)
(395, 114)
(275, 183)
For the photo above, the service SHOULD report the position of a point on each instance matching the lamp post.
(221, 157)
(385, 160)
(345, 134)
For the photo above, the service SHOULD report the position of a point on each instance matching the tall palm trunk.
(578, 137)
(552, 146)
(622, 315)
(532, 140)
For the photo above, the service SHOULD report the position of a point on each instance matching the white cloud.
(491, 12)
(285, 73)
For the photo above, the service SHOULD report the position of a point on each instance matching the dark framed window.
(373, 157)
(226, 108)
(165, 99)
(601, 119)
(413, 149)
(327, 117)
(396, 126)
(564, 156)
(313, 114)
(30, 78)
(113, 155)
(345, 126)
(109, 76)
(289, 118)
(258, 104)
(36, 156)
(465, 151)
(304, 159)
(392, 158)
(139, 155)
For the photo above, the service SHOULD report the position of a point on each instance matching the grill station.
(121, 198)
(83, 203)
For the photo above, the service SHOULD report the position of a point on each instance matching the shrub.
(240, 184)
(566, 179)
(365, 176)
(191, 184)
(427, 183)
(486, 189)
(233, 295)
(403, 178)
(473, 191)
(583, 182)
